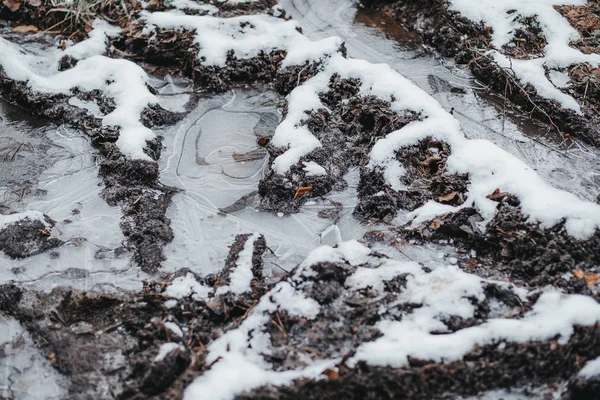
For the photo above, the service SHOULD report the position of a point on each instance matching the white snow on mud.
(502, 17)
(237, 358)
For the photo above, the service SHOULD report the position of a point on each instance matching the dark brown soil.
(454, 36)
(27, 238)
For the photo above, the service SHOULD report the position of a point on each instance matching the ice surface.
(199, 158)
(25, 374)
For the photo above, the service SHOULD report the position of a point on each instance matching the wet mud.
(27, 238)
(347, 128)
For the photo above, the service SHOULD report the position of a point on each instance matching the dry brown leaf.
(497, 195)
(12, 5)
(44, 232)
(303, 190)
(589, 277)
(25, 29)
(331, 374)
(448, 197)
(436, 223)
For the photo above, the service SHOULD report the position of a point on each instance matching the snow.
(165, 349)
(559, 33)
(9, 219)
(237, 357)
(313, 169)
(591, 369)
(489, 167)
(173, 327)
(185, 286)
(121, 80)
(242, 274)
(247, 36)
(553, 314)
(96, 42)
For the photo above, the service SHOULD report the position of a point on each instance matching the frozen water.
(24, 373)
(214, 157)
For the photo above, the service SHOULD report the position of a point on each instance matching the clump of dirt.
(347, 129)
(454, 36)
(27, 238)
(425, 179)
(522, 250)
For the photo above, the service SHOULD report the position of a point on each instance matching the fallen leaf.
(52, 357)
(303, 190)
(12, 5)
(497, 195)
(436, 223)
(589, 277)
(44, 232)
(449, 197)
(25, 29)
(331, 374)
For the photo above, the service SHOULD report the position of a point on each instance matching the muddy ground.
(121, 334)
(451, 35)
(106, 343)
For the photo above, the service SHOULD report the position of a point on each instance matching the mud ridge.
(451, 35)
(516, 248)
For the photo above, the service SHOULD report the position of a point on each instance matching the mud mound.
(27, 238)
(347, 129)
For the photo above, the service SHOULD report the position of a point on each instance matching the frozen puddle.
(214, 157)
(24, 373)
(54, 170)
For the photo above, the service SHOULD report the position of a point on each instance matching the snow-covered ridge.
(489, 167)
(122, 80)
(237, 358)
(559, 33)
(247, 36)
